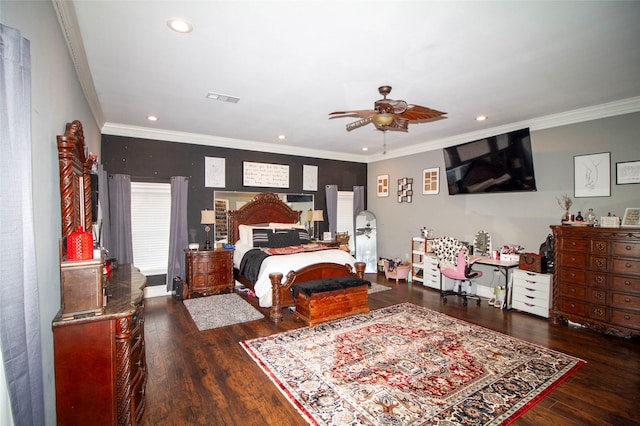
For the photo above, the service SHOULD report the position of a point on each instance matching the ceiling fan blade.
(417, 112)
(354, 113)
(359, 123)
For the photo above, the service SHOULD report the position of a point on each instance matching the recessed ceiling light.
(282, 137)
(365, 148)
(179, 25)
(152, 118)
(481, 118)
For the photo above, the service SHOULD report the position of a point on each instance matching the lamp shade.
(318, 216)
(207, 217)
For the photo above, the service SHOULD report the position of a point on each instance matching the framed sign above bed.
(265, 175)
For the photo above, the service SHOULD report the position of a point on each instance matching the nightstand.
(209, 272)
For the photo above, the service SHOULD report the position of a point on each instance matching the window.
(150, 222)
(345, 216)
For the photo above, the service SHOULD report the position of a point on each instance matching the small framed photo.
(430, 181)
(631, 217)
(592, 175)
(627, 172)
(383, 186)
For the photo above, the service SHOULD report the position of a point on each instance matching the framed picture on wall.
(383, 186)
(592, 175)
(405, 190)
(627, 172)
(430, 181)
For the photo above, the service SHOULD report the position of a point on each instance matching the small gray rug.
(375, 288)
(220, 310)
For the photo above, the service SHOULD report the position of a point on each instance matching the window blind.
(345, 216)
(150, 222)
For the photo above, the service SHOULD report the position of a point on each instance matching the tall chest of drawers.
(597, 278)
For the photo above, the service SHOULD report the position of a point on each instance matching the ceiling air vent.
(222, 98)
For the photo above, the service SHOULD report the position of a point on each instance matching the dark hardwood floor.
(206, 378)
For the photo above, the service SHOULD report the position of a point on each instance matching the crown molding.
(621, 107)
(199, 139)
(69, 24)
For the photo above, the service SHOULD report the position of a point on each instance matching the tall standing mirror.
(366, 242)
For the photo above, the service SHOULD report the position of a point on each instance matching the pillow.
(245, 233)
(303, 236)
(286, 225)
(284, 238)
(262, 237)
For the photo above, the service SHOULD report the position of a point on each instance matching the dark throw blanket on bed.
(250, 264)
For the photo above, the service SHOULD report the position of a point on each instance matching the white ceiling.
(535, 64)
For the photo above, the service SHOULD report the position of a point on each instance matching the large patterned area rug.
(408, 365)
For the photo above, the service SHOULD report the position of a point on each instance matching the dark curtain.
(20, 337)
(120, 214)
(104, 233)
(358, 202)
(331, 193)
(178, 240)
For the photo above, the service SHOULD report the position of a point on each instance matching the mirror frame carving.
(75, 183)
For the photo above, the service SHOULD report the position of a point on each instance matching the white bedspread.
(288, 262)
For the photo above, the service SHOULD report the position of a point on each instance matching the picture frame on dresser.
(631, 217)
(592, 175)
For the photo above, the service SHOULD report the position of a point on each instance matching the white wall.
(519, 218)
(57, 99)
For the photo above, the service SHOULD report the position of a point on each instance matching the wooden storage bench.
(330, 298)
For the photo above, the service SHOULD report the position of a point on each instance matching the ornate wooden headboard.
(75, 183)
(263, 208)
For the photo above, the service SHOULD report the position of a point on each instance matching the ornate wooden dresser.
(596, 279)
(209, 272)
(100, 365)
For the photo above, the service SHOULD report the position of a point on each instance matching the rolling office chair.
(454, 263)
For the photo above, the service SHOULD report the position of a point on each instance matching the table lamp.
(207, 217)
(317, 216)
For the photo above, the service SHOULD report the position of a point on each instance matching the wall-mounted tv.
(502, 163)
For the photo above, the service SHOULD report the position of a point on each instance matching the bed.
(267, 212)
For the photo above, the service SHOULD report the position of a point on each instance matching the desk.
(503, 266)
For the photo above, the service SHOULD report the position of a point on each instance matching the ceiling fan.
(389, 114)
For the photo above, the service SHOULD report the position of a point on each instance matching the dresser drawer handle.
(573, 275)
(627, 283)
(627, 317)
(626, 299)
(573, 259)
(627, 265)
(627, 248)
(572, 305)
(573, 243)
(573, 290)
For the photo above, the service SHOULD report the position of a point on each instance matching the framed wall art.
(627, 172)
(431, 181)
(592, 175)
(405, 190)
(382, 186)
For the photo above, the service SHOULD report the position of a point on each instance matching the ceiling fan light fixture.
(383, 119)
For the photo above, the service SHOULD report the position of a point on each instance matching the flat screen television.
(502, 163)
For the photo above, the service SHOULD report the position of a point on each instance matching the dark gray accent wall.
(156, 161)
